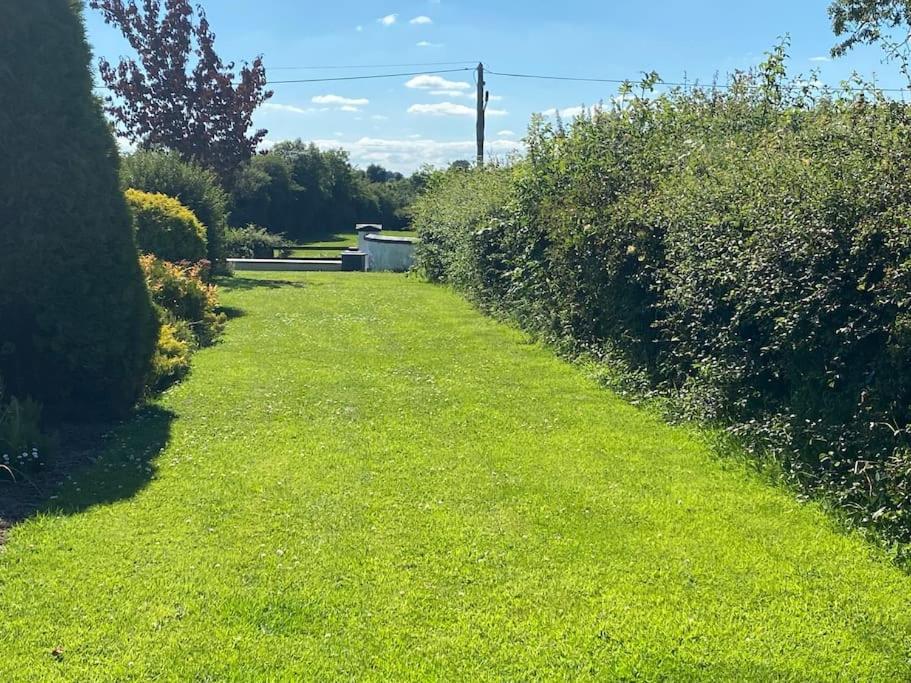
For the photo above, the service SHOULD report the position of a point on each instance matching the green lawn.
(369, 480)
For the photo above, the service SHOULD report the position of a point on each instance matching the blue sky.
(403, 123)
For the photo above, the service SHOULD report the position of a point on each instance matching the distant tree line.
(304, 192)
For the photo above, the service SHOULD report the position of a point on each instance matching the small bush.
(188, 311)
(166, 228)
(23, 444)
(171, 362)
(193, 186)
(181, 295)
(251, 242)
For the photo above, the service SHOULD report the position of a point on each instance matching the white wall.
(389, 253)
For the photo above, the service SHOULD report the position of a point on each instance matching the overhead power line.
(351, 78)
(368, 77)
(677, 84)
(366, 66)
(558, 78)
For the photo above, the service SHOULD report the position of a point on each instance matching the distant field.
(331, 246)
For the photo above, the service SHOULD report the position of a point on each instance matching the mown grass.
(367, 479)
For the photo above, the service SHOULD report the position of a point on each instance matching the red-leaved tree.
(178, 94)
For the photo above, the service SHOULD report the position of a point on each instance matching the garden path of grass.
(367, 479)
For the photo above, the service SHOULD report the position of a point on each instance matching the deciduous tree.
(887, 22)
(178, 93)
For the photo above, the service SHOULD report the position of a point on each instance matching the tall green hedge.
(745, 251)
(77, 328)
(193, 186)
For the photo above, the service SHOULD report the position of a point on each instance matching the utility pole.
(483, 96)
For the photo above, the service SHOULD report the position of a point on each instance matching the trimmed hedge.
(78, 328)
(746, 252)
(251, 242)
(166, 228)
(193, 186)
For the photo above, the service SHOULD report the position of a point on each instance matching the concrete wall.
(364, 229)
(389, 253)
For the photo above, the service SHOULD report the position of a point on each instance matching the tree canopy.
(178, 94)
(887, 22)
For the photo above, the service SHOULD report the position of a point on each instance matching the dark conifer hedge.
(77, 328)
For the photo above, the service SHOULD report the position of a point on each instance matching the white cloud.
(820, 59)
(426, 82)
(450, 109)
(348, 107)
(338, 100)
(442, 109)
(379, 117)
(291, 109)
(427, 43)
(567, 113)
(421, 20)
(506, 134)
(410, 154)
(388, 20)
(450, 93)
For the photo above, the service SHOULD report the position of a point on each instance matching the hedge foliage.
(745, 250)
(166, 228)
(193, 186)
(252, 242)
(77, 329)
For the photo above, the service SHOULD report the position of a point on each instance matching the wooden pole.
(481, 114)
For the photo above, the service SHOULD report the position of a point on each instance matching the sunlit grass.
(369, 480)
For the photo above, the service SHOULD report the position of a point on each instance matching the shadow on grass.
(248, 283)
(231, 312)
(95, 464)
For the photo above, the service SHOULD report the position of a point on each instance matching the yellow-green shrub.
(166, 228)
(195, 187)
(181, 294)
(171, 362)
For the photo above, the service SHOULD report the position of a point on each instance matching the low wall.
(312, 265)
(394, 254)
